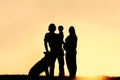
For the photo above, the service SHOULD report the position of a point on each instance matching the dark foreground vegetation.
(26, 77)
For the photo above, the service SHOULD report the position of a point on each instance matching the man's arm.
(46, 47)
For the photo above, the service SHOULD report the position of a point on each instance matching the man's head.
(52, 27)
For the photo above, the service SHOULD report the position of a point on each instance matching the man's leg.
(52, 65)
(46, 72)
(61, 65)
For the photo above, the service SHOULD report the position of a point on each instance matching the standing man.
(54, 42)
(50, 40)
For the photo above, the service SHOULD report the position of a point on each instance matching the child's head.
(60, 28)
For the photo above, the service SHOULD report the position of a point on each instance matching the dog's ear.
(46, 52)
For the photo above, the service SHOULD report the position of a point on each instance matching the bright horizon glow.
(24, 24)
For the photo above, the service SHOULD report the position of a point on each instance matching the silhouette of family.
(55, 45)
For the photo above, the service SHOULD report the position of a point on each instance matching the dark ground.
(26, 77)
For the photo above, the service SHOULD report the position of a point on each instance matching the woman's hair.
(72, 30)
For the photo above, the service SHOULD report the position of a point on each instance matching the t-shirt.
(51, 38)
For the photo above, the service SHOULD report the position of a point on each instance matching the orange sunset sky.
(23, 24)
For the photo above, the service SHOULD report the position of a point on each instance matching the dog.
(41, 66)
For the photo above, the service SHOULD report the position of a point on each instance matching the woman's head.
(72, 30)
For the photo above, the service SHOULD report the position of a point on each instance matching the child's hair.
(60, 28)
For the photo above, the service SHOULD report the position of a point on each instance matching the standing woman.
(70, 48)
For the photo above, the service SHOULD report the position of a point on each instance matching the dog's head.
(47, 54)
